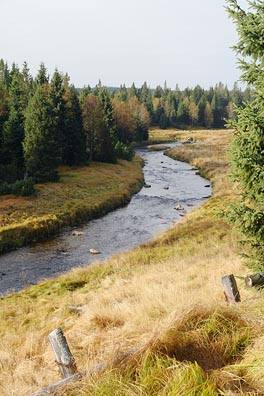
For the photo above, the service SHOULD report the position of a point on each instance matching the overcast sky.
(120, 41)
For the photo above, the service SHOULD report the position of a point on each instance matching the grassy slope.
(81, 194)
(164, 297)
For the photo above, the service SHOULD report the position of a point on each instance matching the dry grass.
(163, 135)
(156, 313)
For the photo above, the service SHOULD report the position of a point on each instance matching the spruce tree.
(73, 152)
(84, 93)
(13, 129)
(197, 94)
(27, 84)
(13, 72)
(122, 93)
(248, 144)
(169, 107)
(158, 92)
(56, 96)
(132, 91)
(158, 111)
(164, 121)
(4, 113)
(146, 97)
(97, 89)
(5, 77)
(4, 108)
(183, 111)
(237, 96)
(201, 107)
(40, 144)
(12, 138)
(193, 112)
(109, 120)
(208, 117)
(42, 77)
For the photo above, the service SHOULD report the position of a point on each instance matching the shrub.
(124, 152)
(20, 187)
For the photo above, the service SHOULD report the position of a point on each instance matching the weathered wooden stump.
(230, 289)
(64, 357)
(255, 280)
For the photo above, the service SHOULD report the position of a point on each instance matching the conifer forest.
(46, 122)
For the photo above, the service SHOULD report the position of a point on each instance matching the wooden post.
(64, 357)
(230, 289)
(255, 280)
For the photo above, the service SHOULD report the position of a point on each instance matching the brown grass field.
(156, 314)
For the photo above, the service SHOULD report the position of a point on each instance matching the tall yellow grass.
(157, 314)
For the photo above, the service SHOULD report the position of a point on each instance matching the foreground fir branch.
(247, 159)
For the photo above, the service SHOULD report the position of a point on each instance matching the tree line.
(46, 122)
(191, 107)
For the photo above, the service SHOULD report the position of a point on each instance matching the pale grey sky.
(120, 41)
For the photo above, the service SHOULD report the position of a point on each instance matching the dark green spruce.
(41, 150)
(247, 152)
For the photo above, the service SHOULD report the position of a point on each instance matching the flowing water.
(169, 183)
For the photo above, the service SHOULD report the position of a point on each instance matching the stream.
(169, 183)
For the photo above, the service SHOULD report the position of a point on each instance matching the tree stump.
(255, 280)
(230, 289)
(64, 357)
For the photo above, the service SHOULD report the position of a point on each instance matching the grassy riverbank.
(157, 311)
(82, 194)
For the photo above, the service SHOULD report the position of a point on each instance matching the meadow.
(156, 314)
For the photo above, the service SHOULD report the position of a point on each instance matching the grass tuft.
(212, 339)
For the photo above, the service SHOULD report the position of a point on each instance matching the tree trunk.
(255, 280)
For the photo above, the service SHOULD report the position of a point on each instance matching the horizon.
(123, 42)
(240, 84)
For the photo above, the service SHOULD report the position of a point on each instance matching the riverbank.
(149, 212)
(81, 195)
(164, 297)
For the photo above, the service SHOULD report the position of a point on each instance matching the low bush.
(124, 152)
(20, 187)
